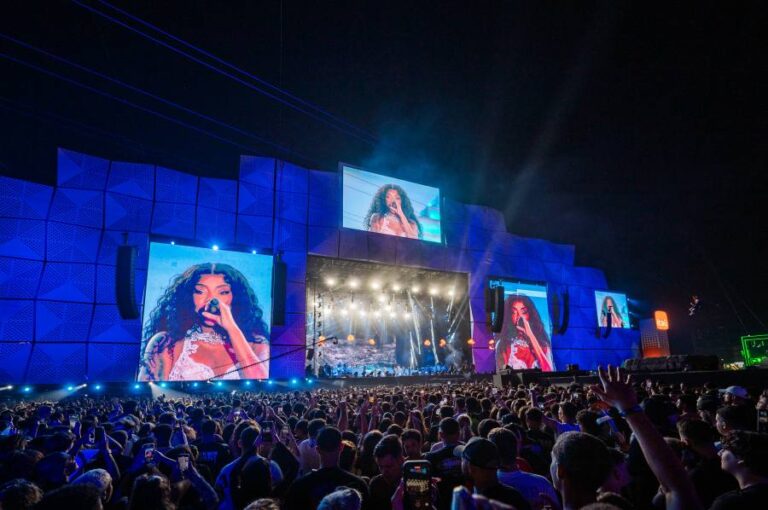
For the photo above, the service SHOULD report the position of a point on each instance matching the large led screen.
(611, 306)
(371, 320)
(206, 315)
(524, 341)
(390, 206)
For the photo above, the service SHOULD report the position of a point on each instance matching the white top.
(187, 369)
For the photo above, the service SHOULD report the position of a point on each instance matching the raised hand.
(614, 389)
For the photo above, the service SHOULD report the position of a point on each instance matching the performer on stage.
(207, 324)
(391, 213)
(609, 309)
(523, 342)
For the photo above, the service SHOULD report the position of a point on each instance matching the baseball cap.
(736, 391)
(479, 452)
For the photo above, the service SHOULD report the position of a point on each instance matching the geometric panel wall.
(58, 250)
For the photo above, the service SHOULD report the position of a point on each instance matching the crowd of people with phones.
(617, 444)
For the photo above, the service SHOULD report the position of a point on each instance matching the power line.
(321, 115)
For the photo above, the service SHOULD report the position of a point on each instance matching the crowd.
(617, 444)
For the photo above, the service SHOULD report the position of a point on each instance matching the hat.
(479, 452)
(736, 391)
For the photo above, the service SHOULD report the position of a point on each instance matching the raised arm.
(666, 466)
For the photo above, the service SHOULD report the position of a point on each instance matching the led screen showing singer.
(524, 341)
(205, 315)
(390, 206)
(611, 306)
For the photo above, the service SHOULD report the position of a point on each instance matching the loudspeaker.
(279, 278)
(488, 300)
(497, 318)
(565, 313)
(125, 282)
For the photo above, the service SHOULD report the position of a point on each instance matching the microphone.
(213, 306)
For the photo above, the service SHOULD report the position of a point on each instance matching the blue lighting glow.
(70, 388)
(195, 384)
(294, 381)
(219, 384)
(26, 389)
(215, 247)
(270, 382)
(97, 387)
(163, 385)
(247, 383)
(136, 386)
(309, 381)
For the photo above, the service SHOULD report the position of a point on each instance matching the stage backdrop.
(58, 256)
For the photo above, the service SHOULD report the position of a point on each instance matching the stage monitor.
(525, 338)
(375, 320)
(206, 314)
(378, 203)
(611, 306)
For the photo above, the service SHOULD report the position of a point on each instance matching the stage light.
(471, 341)
(136, 386)
(310, 381)
(442, 342)
(375, 285)
(382, 298)
(415, 289)
(215, 247)
(270, 382)
(354, 283)
(163, 385)
(352, 305)
(350, 338)
(70, 388)
(294, 381)
(344, 312)
(219, 384)
(451, 292)
(195, 384)
(97, 387)
(328, 310)
(392, 315)
(330, 281)
(427, 342)
(26, 389)
(407, 315)
(371, 341)
(173, 243)
(432, 291)
(377, 313)
(362, 313)
(253, 252)
(396, 288)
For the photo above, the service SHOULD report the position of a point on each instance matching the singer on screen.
(391, 213)
(523, 342)
(206, 325)
(609, 309)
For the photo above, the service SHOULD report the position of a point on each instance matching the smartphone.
(149, 454)
(99, 435)
(266, 431)
(494, 391)
(183, 463)
(417, 476)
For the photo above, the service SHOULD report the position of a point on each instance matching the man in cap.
(735, 395)
(480, 461)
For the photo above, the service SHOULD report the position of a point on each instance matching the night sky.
(637, 132)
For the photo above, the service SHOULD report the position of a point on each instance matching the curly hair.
(379, 207)
(509, 330)
(175, 312)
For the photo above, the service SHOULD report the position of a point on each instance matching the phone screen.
(183, 463)
(417, 477)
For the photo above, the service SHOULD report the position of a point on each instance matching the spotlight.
(163, 385)
(353, 306)
(173, 243)
(330, 281)
(247, 383)
(382, 298)
(310, 381)
(354, 283)
(407, 315)
(350, 338)
(427, 342)
(136, 386)
(219, 384)
(432, 291)
(371, 341)
(97, 387)
(442, 342)
(471, 341)
(195, 384)
(70, 388)
(377, 313)
(270, 382)
(26, 389)
(415, 289)
(362, 313)
(328, 310)
(396, 288)
(253, 252)
(392, 315)
(451, 292)
(375, 285)
(344, 312)
(215, 247)
(294, 381)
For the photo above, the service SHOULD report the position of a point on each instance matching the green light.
(754, 349)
